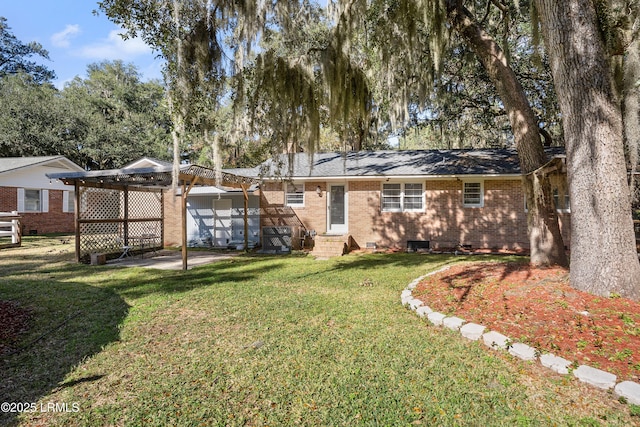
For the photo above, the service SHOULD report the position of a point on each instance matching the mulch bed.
(537, 306)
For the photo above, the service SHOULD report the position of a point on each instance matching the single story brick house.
(403, 199)
(436, 199)
(45, 205)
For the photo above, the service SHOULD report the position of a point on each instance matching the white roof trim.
(44, 161)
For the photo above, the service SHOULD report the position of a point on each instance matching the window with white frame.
(392, 197)
(413, 197)
(33, 200)
(399, 197)
(294, 194)
(561, 201)
(473, 194)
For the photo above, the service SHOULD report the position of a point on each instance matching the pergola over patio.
(120, 209)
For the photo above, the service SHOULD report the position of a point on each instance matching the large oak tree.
(603, 251)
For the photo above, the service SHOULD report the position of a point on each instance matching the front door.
(337, 209)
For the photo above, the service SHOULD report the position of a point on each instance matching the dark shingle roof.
(394, 163)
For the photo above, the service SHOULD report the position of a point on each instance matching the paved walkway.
(171, 260)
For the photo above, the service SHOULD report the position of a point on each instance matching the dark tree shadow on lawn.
(477, 273)
(386, 260)
(462, 282)
(236, 270)
(68, 323)
(401, 259)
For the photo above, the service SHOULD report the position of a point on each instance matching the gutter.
(461, 177)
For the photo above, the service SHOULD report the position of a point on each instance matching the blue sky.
(75, 37)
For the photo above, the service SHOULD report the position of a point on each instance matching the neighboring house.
(438, 199)
(45, 205)
(146, 162)
(215, 215)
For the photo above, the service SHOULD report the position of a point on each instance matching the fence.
(10, 227)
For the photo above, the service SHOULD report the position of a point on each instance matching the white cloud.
(63, 38)
(115, 47)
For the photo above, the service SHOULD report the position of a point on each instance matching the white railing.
(10, 227)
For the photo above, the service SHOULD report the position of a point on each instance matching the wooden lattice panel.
(105, 227)
(100, 237)
(145, 204)
(100, 203)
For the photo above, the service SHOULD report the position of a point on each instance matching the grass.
(261, 341)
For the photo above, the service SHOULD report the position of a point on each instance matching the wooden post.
(126, 216)
(16, 230)
(184, 226)
(162, 219)
(76, 208)
(246, 217)
(185, 193)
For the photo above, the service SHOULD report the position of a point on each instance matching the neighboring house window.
(294, 194)
(473, 195)
(33, 200)
(68, 201)
(397, 197)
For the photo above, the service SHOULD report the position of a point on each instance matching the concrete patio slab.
(171, 259)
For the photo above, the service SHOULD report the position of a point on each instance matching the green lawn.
(273, 340)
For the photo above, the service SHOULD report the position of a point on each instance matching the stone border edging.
(628, 390)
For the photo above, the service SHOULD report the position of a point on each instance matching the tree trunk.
(545, 239)
(604, 260)
(631, 112)
(177, 96)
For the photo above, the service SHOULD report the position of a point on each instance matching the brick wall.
(500, 224)
(312, 216)
(54, 221)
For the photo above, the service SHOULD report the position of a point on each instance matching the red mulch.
(14, 321)
(537, 306)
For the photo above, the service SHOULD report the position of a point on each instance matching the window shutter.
(45, 200)
(65, 201)
(20, 199)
